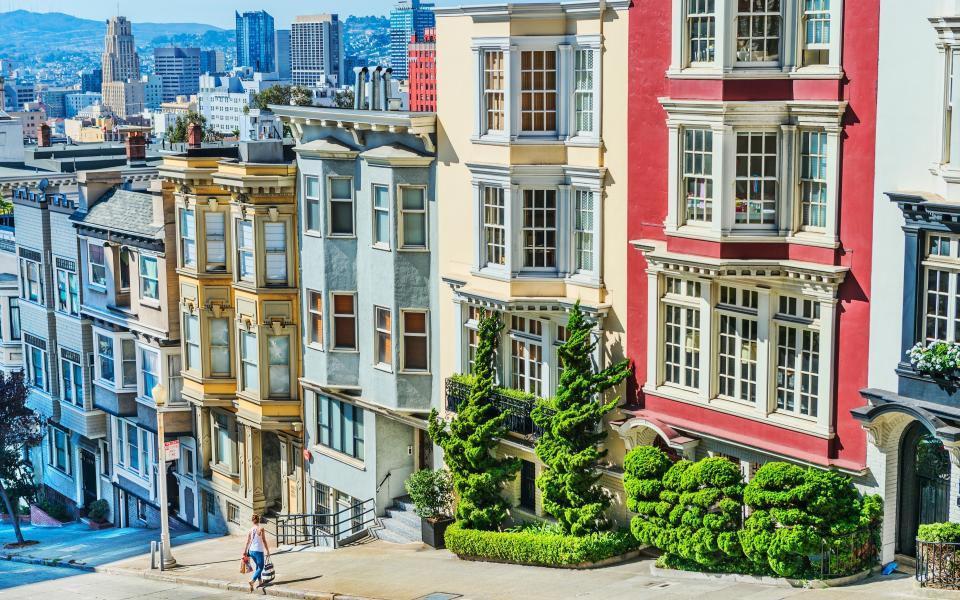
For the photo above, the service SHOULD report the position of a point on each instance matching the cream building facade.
(531, 177)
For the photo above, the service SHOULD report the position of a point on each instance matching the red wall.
(649, 58)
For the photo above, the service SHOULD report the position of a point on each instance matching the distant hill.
(24, 29)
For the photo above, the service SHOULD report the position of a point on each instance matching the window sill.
(383, 367)
(584, 141)
(341, 236)
(346, 459)
(346, 350)
(414, 372)
(97, 289)
(224, 470)
(315, 346)
(417, 249)
(756, 72)
(501, 139)
(151, 304)
(803, 238)
(381, 247)
(313, 233)
(591, 281)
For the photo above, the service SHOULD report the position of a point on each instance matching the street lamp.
(160, 400)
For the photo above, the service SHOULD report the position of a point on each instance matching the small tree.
(20, 428)
(570, 444)
(282, 95)
(469, 443)
(179, 132)
(431, 493)
(344, 98)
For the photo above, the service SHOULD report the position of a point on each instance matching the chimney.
(92, 185)
(360, 89)
(375, 89)
(43, 136)
(194, 135)
(136, 147)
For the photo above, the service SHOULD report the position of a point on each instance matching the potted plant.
(97, 515)
(432, 495)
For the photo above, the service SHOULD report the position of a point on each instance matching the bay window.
(31, 281)
(68, 292)
(275, 246)
(278, 372)
(191, 341)
(493, 91)
(701, 30)
(416, 355)
(583, 104)
(681, 333)
(149, 278)
(36, 358)
(413, 218)
(249, 370)
(340, 206)
(583, 231)
(941, 288)
(220, 362)
(215, 224)
(698, 174)
(188, 238)
(105, 360)
(98, 265)
(538, 91)
(758, 31)
(315, 310)
(311, 204)
(383, 337)
(813, 178)
(381, 216)
(246, 258)
(526, 355)
(737, 337)
(150, 372)
(133, 446)
(816, 31)
(798, 356)
(344, 321)
(494, 226)
(539, 229)
(756, 178)
(128, 355)
(71, 376)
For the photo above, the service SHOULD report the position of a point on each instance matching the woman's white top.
(256, 540)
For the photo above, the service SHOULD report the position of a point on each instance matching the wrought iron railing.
(938, 564)
(518, 410)
(847, 556)
(344, 526)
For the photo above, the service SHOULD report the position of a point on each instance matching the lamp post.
(160, 400)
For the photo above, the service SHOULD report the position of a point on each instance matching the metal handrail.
(340, 527)
(384, 480)
(938, 564)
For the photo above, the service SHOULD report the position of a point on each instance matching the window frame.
(215, 266)
(490, 114)
(336, 424)
(282, 370)
(421, 213)
(269, 277)
(71, 386)
(764, 14)
(248, 362)
(97, 282)
(54, 449)
(334, 347)
(315, 305)
(383, 338)
(223, 425)
(544, 91)
(187, 243)
(545, 249)
(143, 375)
(145, 279)
(246, 250)
(352, 201)
(379, 212)
(69, 295)
(16, 327)
(405, 343)
(27, 268)
(34, 357)
(312, 203)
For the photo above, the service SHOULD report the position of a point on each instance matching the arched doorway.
(924, 485)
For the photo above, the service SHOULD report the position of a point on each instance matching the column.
(255, 467)
(726, 33)
(724, 179)
(828, 320)
(706, 341)
(513, 214)
(512, 91)
(787, 209)
(564, 96)
(833, 181)
(654, 339)
(478, 116)
(764, 355)
(478, 219)
(563, 235)
(204, 445)
(676, 208)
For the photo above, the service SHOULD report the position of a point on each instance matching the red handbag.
(245, 564)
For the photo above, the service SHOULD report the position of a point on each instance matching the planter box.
(432, 532)
(97, 526)
(38, 518)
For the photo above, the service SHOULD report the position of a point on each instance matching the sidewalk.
(380, 570)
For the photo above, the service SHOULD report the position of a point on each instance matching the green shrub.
(939, 532)
(431, 493)
(537, 547)
(97, 511)
(52, 506)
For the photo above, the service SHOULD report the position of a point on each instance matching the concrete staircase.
(400, 524)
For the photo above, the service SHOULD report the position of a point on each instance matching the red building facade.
(422, 64)
(751, 193)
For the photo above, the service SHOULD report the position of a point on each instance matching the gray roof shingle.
(123, 211)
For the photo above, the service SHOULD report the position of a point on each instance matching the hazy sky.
(214, 12)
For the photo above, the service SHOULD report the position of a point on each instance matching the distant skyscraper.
(256, 43)
(316, 49)
(423, 71)
(120, 59)
(283, 53)
(91, 80)
(212, 62)
(179, 69)
(408, 18)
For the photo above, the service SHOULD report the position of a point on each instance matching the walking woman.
(257, 549)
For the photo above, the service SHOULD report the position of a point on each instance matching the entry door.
(924, 485)
(88, 475)
(424, 450)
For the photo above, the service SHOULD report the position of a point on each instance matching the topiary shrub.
(939, 532)
(643, 470)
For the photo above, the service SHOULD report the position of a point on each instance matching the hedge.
(939, 532)
(537, 547)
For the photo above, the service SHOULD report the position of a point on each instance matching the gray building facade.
(179, 70)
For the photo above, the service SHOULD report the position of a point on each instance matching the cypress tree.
(570, 445)
(470, 441)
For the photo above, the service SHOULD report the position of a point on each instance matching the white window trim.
(307, 200)
(725, 65)
(144, 299)
(311, 311)
(71, 310)
(117, 339)
(30, 367)
(401, 212)
(239, 250)
(725, 120)
(142, 390)
(374, 243)
(389, 332)
(122, 454)
(333, 323)
(329, 205)
(101, 287)
(25, 265)
(403, 336)
(73, 383)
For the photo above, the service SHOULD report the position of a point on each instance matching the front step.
(400, 524)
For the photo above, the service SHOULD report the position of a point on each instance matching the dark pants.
(257, 560)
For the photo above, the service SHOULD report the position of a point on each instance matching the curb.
(46, 562)
(761, 580)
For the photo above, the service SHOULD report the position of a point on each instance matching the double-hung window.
(493, 91)
(225, 442)
(758, 31)
(813, 178)
(275, 245)
(383, 331)
(340, 426)
(128, 356)
(583, 100)
(494, 226)
(220, 346)
(698, 174)
(737, 337)
(246, 259)
(105, 360)
(526, 355)
(941, 288)
(315, 310)
(311, 204)
(188, 238)
(701, 30)
(71, 375)
(416, 353)
(344, 321)
(278, 357)
(191, 341)
(36, 367)
(798, 356)
(413, 218)
(98, 265)
(60, 451)
(68, 292)
(681, 333)
(249, 374)
(150, 372)
(215, 224)
(133, 447)
(538, 91)
(340, 191)
(757, 178)
(584, 217)
(149, 278)
(539, 229)
(15, 332)
(816, 31)
(381, 216)
(31, 281)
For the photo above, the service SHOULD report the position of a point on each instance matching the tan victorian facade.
(236, 221)
(531, 178)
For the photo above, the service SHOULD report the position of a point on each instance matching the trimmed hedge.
(939, 532)
(538, 547)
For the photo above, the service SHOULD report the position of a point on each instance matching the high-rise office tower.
(120, 59)
(212, 62)
(179, 69)
(316, 50)
(91, 80)
(283, 53)
(256, 43)
(408, 18)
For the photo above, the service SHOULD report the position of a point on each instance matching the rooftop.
(123, 211)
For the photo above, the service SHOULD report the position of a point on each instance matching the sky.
(212, 12)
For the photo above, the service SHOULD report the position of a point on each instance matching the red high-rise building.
(422, 61)
(752, 133)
